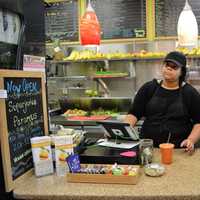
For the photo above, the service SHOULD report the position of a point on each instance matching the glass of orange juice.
(166, 150)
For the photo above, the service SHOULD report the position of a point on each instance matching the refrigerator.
(21, 33)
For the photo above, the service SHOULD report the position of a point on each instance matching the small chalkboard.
(121, 19)
(23, 115)
(61, 21)
(167, 13)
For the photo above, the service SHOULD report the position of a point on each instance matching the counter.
(181, 181)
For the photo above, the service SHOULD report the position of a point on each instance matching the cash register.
(120, 144)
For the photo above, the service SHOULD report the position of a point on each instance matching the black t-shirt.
(191, 99)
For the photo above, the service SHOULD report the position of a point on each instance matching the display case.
(91, 84)
(110, 84)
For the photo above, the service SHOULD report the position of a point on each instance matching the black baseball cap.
(176, 57)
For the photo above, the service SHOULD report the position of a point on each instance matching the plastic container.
(166, 150)
(146, 151)
(154, 169)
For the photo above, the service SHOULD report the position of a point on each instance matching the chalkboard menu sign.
(61, 21)
(24, 116)
(121, 19)
(167, 13)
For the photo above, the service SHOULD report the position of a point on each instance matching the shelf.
(194, 68)
(88, 77)
(69, 78)
(106, 98)
(194, 80)
(115, 59)
(192, 57)
(110, 76)
(76, 88)
(54, 110)
(77, 61)
(104, 60)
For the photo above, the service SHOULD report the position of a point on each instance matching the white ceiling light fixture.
(187, 27)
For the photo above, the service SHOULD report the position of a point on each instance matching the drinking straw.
(169, 136)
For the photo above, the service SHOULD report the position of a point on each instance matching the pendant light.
(90, 28)
(187, 27)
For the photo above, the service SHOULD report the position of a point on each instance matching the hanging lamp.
(90, 28)
(187, 27)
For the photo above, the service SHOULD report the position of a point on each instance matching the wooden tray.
(104, 178)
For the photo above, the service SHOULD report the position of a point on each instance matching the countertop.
(181, 181)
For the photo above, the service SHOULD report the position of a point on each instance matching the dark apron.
(164, 117)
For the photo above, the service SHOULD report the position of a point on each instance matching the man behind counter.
(170, 106)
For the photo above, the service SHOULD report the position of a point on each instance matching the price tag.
(3, 94)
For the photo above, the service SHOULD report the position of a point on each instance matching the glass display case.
(91, 84)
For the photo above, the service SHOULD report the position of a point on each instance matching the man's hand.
(188, 144)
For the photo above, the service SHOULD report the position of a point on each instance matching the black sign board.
(121, 19)
(61, 21)
(167, 13)
(24, 115)
(24, 120)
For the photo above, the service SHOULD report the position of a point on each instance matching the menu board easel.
(23, 115)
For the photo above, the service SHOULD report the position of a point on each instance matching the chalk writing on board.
(61, 20)
(24, 120)
(120, 19)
